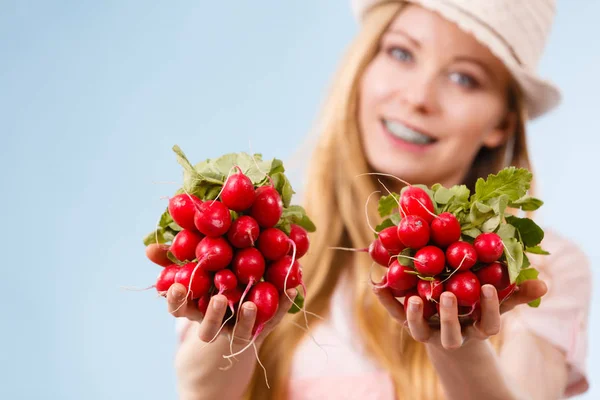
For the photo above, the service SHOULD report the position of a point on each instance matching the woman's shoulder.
(566, 255)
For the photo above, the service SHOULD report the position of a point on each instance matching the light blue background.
(92, 97)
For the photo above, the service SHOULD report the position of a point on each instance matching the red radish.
(496, 274)
(157, 253)
(389, 239)
(266, 298)
(429, 308)
(267, 207)
(413, 232)
(445, 229)
(273, 243)
(225, 280)
(489, 247)
(398, 278)
(203, 303)
(184, 245)
(398, 293)
(243, 232)
(166, 278)
(248, 265)
(212, 218)
(299, 236)
(430, 290)
(238, 192)
(278, 271)
(195, 279)
(214, 253)
(233, 297)
(379, 254)
(416, 201)
(182, 209)
(430, 260)
(461, 254)
(466, 287)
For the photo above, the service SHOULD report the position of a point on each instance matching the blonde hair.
(336, 202)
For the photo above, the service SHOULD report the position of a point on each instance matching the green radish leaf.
(298, 303)
(536, 250)
(527, 203)
(480, 213)
(499, 204)
(174, 259)
(387, 204)
(426, 278)
(285, 225)
(441, 194)
(307, 224)
(513, 182)
(154, 237)
(283, 187)
(527, 274)
(395, 217)
(531, 233)
(386, 223)
(513, 250)
(276, 166)
(491, 224)
(535, 303)
(526, 262)
(169, 234)
(403, 260)
(471, 232)
(506, 231)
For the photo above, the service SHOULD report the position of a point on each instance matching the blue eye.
(400, 54)
(464, 80)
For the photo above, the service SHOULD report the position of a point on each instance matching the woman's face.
(430, 99)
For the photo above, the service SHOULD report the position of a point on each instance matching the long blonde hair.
(336, 202)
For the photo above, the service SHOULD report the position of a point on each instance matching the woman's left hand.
(450, 334)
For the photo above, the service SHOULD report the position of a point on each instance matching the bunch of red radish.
(235, 254)
(426, 255)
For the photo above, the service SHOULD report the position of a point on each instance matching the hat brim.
(540, 96)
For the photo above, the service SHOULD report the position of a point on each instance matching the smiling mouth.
(407, 134)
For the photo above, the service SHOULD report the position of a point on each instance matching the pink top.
(340, 370)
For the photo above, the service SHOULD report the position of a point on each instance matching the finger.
(242, 333)
(213, 319)
(284, 306)
(393, 306)
(451, 334)
(490, 311)
(157, 253)
(179, 306)
(528, 291)
(419, 329)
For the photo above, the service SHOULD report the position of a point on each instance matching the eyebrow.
(399, 31)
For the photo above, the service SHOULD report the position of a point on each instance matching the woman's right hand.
(201, 369)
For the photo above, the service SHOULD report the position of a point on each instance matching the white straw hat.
(515, 31)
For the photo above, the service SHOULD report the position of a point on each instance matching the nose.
(419, 92)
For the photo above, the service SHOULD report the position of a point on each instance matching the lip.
(403, 144)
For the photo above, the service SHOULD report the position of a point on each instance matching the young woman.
(430, 91)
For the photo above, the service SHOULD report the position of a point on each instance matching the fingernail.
(413, 305)
(488, 291)
(292, 293)
(447, 301)
(248, 310)
(177, 294)
(219, 304)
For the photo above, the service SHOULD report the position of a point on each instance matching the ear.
(502, 132)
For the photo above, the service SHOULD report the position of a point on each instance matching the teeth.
(406, 133)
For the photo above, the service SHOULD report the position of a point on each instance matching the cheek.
(471, 119)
